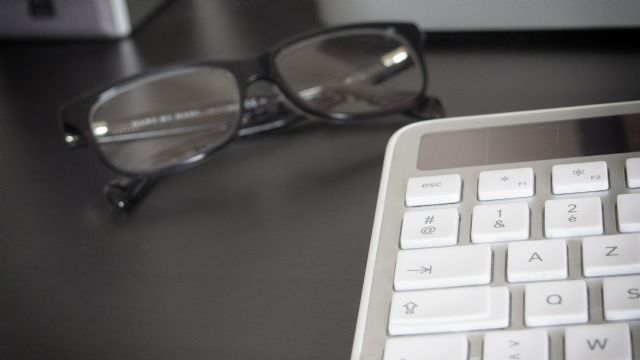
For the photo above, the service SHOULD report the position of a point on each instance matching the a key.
(443, 267)
(633, 173)
(621, 297)
(598, 342)
(532, 344)
(537, 260)
(611, 255)
(434, 190)
(505, 184)
(441, 347)
(500, 222)
(629, 212)
(429, 228)
(555, 303)
(445, 310)
(573, 217)
(577, 178)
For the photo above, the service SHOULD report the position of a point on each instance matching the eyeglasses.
(169, 119)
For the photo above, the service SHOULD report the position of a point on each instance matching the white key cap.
(611, 255)
(434, 190)
(573, 217)
(429, 228)
(598, 342)
(577, 178)
(555, 303)
(445, 310)
(437, 306)
(505, 184)
(537, 260)
(443, 347)
(443, 267)
(520, 344)
(629, 212)
(633, 173)
(500, 222)
(621, 298)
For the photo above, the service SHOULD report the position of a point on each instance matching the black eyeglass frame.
(75, 115)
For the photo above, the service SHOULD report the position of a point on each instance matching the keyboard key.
(430, 228)
(573, 217)
(611, 255)
(435, 306)
(520, 344)
(537, 260)
(577, 178)
(629, 213)
(434, 190)
(621, 298)
(443, 267)
(506, 184)
(556, 303)
(598, 342)
(500, 222)
(446, 310)
(445, 347)
(633, 173)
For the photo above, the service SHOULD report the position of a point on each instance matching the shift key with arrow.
(447, 310)
(443, 267)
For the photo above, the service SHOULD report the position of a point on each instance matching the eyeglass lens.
(352, 72)
(159, 121)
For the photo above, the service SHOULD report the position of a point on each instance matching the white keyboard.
(509, 236)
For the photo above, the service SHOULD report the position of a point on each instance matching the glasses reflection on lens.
(352, 72)
(156, 122)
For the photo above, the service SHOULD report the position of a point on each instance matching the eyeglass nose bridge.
(263, 113)
(257, 69)
(261, 69)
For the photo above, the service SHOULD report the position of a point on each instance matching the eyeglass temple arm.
(389, 64)
(429, 107)
(124, 193)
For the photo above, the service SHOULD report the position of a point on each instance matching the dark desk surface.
(260, 252)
